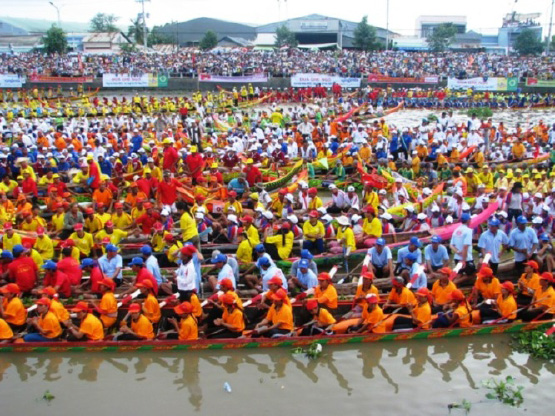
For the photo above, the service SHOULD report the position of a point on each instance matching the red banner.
(402, 80)
(59, 80)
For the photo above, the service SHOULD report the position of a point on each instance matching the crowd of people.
(283, 63)
(80, 194)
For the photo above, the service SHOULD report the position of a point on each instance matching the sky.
(483, 16)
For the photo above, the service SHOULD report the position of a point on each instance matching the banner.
(313, 80)
(11, 81)
(241, 79)
(129, 81)
(534, 82)
(481, 84)
(43, 79)
(402, 80)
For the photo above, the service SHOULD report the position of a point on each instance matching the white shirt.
(186, 276)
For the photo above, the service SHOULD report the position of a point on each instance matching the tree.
(136, 31)
(55, 40)
(441, 37)
(365, 36)
(102, 22)
(284, 37)
(209, 41)
(156, 37)
(528, 43)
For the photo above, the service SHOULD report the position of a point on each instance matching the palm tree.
(136, 30)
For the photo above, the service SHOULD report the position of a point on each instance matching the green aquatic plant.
(505, 391)
(48, 396)
(313, 351)
(536, 343)
(480, 112)
(464, 405)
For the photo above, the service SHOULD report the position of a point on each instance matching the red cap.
(49, 290)
(547, 276)
(240, 230)
(109, 283)
(313, 214)
(147, 205)
(371, 298)
(285, 226)
(134, 308)
(279, 295)
(158, 226)
(445, 270)
(8, 226)
(26, 214)
(106, 240)
(485, 271)
(118, 205)
(368, 275)
(370, 209)
(43, 301)
(227, 283)
(145, 283)
(80, 307)
(78, 226)
(324, 276)
(509, 286)
(232, 193)
(312, 191)
(200, 197)
(188, 250)
(40, 231)
(109, 224)
(533, 264)
(10, 288)
(89, 211)
(227, 298)
(100, 205)
(68, 243)
(168, 237)
(457, 295)
(183, 308)
(283, 191)
(247, 218)
(311, 304)
(276, 280)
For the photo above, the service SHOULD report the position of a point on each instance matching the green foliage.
(156, 37)
(504, 391)
(313, 351)
(55, 40)
(465, 405)
(527, 43)
(135, 30)
(103, 22)
(365, 36)
(432, 118)
(209, 41)
(441, 37)
(284, 37)
(480, 112)
(535, 343)
(127, 48)
(48, 396)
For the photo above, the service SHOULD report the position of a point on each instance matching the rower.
(268, 271)
(232, 320)
(224, 271)
(314, 233)
(57, 279)
(413, 247)
(493, 241)
(543, 302)
(321, 322)
(46, 324)
(372, 319)
(305, 277)
(305, 254)
(504, 307)
(460, 314)
(381, 259)
(6, 333)
(141, 327)
(399, 297)
(278, 321)
(11, 307)
(528, 283)
(441, 290)
(416, 274)
(90, 327)
(150, 306)
(138, 266)
(95, 276)
(55, 305)
(325, 293)
(420, 315)
(486, 289)
(108, 306)
(186, 329)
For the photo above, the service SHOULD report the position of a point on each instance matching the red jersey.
(23, 271)
(168, 191)
(253, 175)
(71, 267)
(60, 188)
(144, 274)
(170, 159)
(146, 221)
(96, 276)
(195, 162)
(59, 279)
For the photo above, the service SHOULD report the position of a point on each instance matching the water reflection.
(339, 367)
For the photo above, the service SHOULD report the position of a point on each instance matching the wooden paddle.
(213, 297)
(419, 270)
(129, 298)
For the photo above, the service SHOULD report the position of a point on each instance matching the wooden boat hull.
(288, 342)
(283, 181)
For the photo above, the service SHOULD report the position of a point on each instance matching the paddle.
(168, 299)
(129, 298)
(214, 297)
(550, 331)
(456, 270)
(383, 320)
(419, 270)
(310, 291)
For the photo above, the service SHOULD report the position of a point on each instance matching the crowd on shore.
(173, 187)
(283, 63)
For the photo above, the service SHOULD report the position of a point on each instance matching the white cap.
(232, 217)
(409, 208)
(199, 209)
(398, 180)
(355, 218)
(537, 220)
(538, 195)
(343, 220)
(422, 216)
(449, 220)
(293, 218)
(435, 208)
(332, 186)
(386, 216)
(290, 197)
(426, 191)
(322, 210)
(327, 218)
(382, 192)
(268, 215)
(351, 189)
(303, 185)
(259, 209)
(459, 192)
(545, 207)
(199, 215)
(465, 206)
(526, 195)
(503, 214)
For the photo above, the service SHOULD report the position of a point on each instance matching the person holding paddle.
(543, 302)
(321, 321)
(46, 324)
(186, 329)
(420, 315)
(232, 320)
(460, 314)
(11, 307)
(325, 293)
(140, 329)
(528, 283)
(400, 297)
(372, 319)
(90, 327)
(278, 321)
(441, 290)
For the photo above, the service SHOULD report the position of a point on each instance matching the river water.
(399, 378)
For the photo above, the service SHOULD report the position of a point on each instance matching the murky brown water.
(409, 378)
